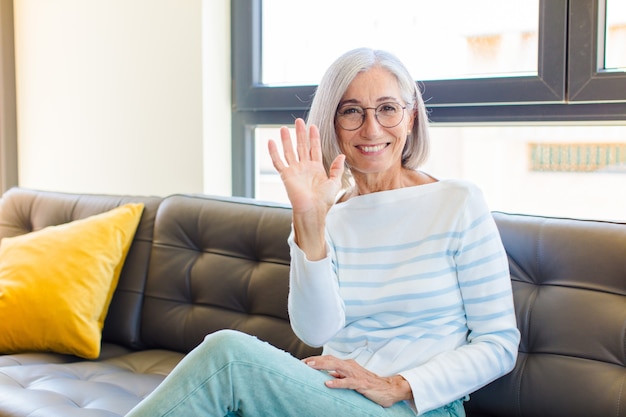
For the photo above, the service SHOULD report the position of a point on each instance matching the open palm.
(309, 187)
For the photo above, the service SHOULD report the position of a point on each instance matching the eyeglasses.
(351, 117)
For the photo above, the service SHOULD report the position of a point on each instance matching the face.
(374, 150)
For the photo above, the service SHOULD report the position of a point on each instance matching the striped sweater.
(416, 282)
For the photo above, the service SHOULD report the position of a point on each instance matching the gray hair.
(334, 84)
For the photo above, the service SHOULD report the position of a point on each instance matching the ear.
(412, 120)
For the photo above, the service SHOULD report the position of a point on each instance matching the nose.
(371, 127)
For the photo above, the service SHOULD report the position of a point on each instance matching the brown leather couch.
(200, 263)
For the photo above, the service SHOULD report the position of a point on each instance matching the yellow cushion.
(56, 283)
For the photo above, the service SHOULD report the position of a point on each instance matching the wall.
(110, 95)
(217, 101)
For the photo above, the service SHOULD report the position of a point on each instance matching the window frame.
(8, 103)
(547, 86)
(567, 58)
(589, 82)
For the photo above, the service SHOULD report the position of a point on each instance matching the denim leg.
(234, 374)
(454, 409)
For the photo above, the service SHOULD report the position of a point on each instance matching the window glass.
(482, 38)
(615, 36)
(554, 170)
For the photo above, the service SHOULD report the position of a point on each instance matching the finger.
(313, 363)
(315, 143)
(337, 168)
(302, 140)
(322, 363)
(340, 383)
(275, 155)
(310, 359)
(285, 138)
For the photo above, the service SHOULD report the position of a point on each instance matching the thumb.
(337, 167)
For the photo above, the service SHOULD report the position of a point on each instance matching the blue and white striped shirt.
(416, 282)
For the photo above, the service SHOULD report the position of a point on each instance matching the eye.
(350, 111)
(388, 108)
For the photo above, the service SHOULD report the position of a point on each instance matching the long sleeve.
(316, 310)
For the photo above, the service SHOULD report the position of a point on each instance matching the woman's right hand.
(311, 191)
(305, 179)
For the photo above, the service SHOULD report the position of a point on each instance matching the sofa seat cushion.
(107, 351)
(102, 388)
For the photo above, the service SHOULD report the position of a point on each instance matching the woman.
(402, 278)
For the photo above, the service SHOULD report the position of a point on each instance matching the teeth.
(375, 148)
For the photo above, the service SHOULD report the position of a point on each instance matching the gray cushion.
(106, 388)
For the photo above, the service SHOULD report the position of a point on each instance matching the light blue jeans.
(234, 374)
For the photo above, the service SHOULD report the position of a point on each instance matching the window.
(503, 45)
(566, 170)
(538, 79)
(565, 89)
(615, 35)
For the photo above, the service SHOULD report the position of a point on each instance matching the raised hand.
(310, 189)
(308, 185)
(348, 374)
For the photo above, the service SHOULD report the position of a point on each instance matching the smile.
(372, 148)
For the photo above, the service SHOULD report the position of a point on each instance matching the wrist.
(309, 234)
(401, 388)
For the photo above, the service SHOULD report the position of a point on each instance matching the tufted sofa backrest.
(569, 284)
(218, 263)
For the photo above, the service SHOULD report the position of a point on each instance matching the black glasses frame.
(338, 118)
